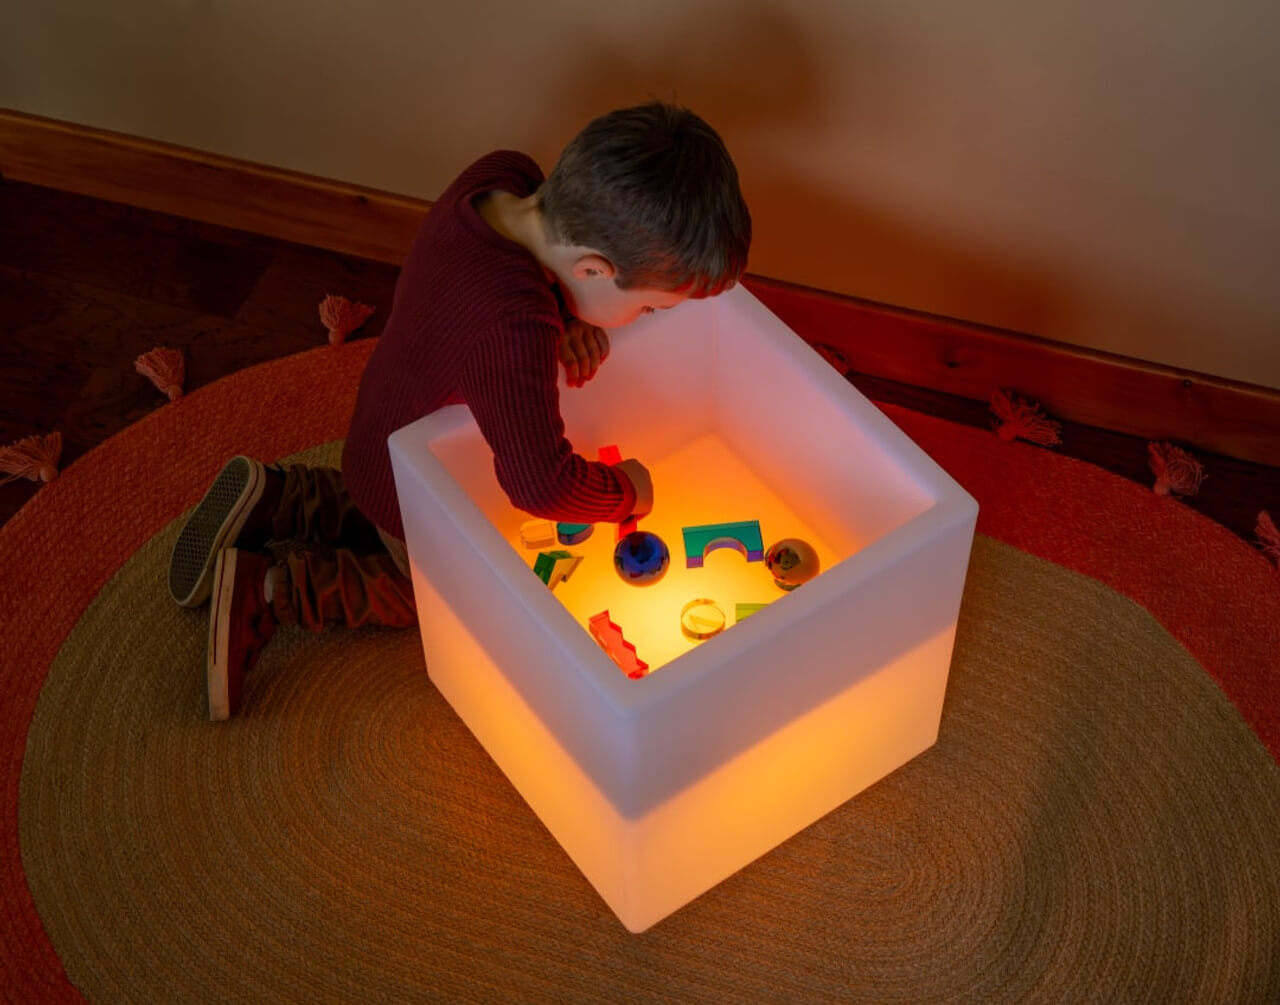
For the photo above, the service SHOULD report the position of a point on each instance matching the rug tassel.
(1176, 471)
(166, 369)
(34, 458)
(1022, 420)
(341, 317)
(1268, 537)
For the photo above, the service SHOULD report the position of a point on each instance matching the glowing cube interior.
(659, 787)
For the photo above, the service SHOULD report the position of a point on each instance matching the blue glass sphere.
(641, 558)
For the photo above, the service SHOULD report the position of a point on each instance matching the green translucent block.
(554, 567)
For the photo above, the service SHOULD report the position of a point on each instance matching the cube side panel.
(463, 453)
(658, 368)
(578, 815)
(541, 657)
(783, 409)
(789, 659)
(783, 783)
(657, 795)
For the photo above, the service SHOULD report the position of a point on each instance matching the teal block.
(573, 533)
(743, 536)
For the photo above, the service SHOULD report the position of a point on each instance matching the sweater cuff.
(628, 504)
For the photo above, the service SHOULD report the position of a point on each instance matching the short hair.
(653, 189)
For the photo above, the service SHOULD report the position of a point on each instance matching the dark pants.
(340, 567)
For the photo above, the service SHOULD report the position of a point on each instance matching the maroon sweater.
(475, 320)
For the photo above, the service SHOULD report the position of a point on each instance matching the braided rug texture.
(1096, 823)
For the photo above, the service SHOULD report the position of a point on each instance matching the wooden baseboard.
(1083, 385)
(942, 354)
(232, 193)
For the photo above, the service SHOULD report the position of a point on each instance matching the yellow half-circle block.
(701, 618)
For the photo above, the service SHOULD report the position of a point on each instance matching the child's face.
(598, 301)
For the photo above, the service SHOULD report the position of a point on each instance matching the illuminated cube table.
(660, 787)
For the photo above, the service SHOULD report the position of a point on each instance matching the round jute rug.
(1096, 823)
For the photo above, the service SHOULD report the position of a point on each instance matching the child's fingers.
(582, 349)
(599, 346)
(596, 346)
(570, 351)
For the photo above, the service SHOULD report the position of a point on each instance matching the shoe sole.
(217, 675)
(214, 524)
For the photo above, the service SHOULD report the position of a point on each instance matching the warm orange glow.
(703, 482)
(659, 788)
(726, 818)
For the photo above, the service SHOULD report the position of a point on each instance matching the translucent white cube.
(660, 787)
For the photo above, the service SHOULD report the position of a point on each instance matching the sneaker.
(241, 622)
(233, 512)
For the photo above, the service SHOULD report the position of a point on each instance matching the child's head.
(652, 190)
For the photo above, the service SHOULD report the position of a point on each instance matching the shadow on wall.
(822, 239)
(752, 74)
(741, 68)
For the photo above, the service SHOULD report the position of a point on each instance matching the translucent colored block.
(743, 536)
(741, 611)
(658, 788)
(612, 455)
(573, 533)
(537, 533)
(701, 619)
(554, 567)
(622, 652)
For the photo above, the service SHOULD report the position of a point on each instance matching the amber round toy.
(701, 618)
(791, 561)
(641, 558)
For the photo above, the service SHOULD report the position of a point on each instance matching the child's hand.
(583, 348)
(639, 476)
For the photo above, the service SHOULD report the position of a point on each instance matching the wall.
(1101, 172)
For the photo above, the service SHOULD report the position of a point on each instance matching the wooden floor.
(86, 286)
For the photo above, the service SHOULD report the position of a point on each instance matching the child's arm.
(582, 348)
(638, 475)
(509, 384)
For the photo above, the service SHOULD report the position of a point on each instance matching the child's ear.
(593, 266)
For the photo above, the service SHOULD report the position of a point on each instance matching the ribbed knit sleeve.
(509, 383)
(475, 319)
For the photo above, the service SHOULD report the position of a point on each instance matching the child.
(510, 275)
